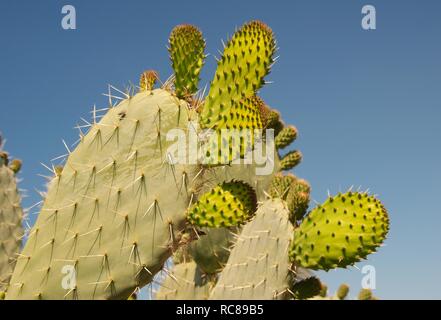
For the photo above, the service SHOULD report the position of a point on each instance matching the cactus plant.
(123, 203)
(11, 217)
(116, 183)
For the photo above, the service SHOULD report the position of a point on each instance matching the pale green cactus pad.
(259, 266)
(116, 210)
(342, 231)
(11, 217)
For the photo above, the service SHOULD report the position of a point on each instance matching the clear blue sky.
(367, 103)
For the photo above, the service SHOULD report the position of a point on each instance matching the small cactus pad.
(281, 185)
(186, 282)
(342, 291)
(307, 288)
(294, 191)
(290, 160)
(211, 250)
(240, 72)
(11, 217)
(147, 80)
(285, 137)
(259, 267)
(187, 55)
(227, 205)
(272, 121)
(366, 294)
(340, 232)
(298, 199)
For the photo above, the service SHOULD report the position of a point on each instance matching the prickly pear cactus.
(11, 218)
(342, 231)
(259, 267)
(117, 209)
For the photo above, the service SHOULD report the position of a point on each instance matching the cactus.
(247, 59)
(122, 205)
(226, 205)
(342, 291)
(119, 182)
(290, 160)
(366, 294)
(342, 231)
(11, 217)
(187, 55)
(294, 191)
(259, 267)
(285, 137)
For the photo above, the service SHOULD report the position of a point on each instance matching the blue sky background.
(367, 103)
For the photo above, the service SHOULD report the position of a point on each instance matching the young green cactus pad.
(342, 231)
(112, 216)
(186, 282)
(290, 160)
(212, 249)
(147, 80)
(11, 217)
(285, 137)
(294, 191)
(187, 55)
(227, 205)
(342, 291)
(259, 267)
(366, 294)
(273, 122)
(240, 72)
